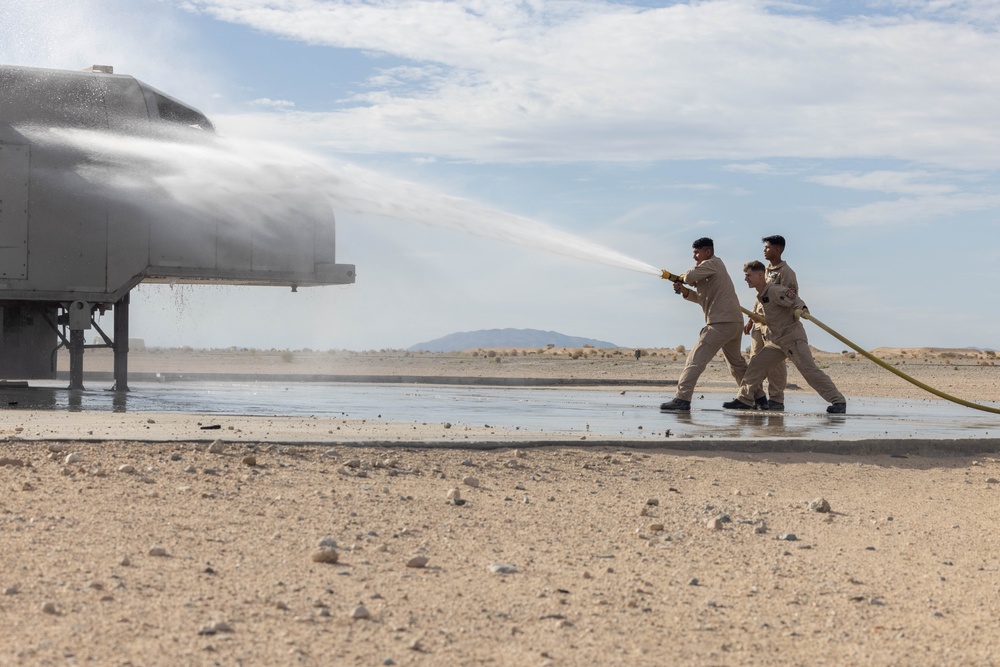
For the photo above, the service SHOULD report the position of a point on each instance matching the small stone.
(249, 461)
(353, 463)
(447, 424)
(74, 458)
(693, 581)
(653, 502)
(715, 523)
(125, 561)
(127, 468)
(788, 537)
(328, 542)
(159, 552)
(471, 481)
(455, 497)
(992, 480)
(222, 626)
(819, 505)
(468, 462)
(217, 447)
(502, 568)
(325, 555)
(13, 463)
(418, 562)
(57, 447)
(360, 612)
(49, 608)
(10, 590)
(656, 527)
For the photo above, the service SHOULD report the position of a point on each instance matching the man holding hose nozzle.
(723, 323)
(784, 336)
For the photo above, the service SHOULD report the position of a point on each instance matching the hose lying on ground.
(893, 369)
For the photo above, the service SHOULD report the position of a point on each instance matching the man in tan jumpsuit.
(784, 337)
(723, 322)
(780, 273)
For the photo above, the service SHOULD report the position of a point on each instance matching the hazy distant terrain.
(524, 338)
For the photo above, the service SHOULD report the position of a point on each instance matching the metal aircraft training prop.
(70, 248)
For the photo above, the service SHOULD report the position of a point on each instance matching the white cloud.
(913, 210)
(723, 79)
(272, 104)
(900, 182)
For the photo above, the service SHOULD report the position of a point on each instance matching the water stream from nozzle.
(256, 183)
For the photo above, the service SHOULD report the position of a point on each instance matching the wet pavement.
(633, 414)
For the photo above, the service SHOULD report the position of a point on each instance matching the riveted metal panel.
(14, 164)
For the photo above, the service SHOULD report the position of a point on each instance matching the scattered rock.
(502, 568)
(715, 523)
(325, 555)
(328, 542)
(656, 528)
(418, 562)
(159, 552)
(49, 608)
(693, 581)
(471, 481)
(653, 502)
(360, 612)
(14, 463)
(10, 590)
(250, 460)
(125, 561)
(74, 458)
(217, 447)
(56, 447)
(788, 537)
(992, 480)
(455, 497)
(468, 462)
(819, 505)
(127, 468)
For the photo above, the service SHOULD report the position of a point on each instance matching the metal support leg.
(76, 342)
(121, 344)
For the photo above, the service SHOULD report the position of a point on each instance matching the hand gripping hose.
(666, 275)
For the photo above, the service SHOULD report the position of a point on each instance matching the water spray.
(666, 275)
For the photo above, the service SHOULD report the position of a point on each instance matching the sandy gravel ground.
(128, 549)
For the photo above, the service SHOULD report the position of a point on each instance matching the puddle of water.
(595, 412)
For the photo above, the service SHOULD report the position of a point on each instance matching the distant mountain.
(466, 340)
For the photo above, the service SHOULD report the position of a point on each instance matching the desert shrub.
(491, 354)
(680, 349)
(576, 354)
(287, 356)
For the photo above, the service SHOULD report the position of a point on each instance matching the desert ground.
(144, 545)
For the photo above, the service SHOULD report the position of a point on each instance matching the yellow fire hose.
(868, 355)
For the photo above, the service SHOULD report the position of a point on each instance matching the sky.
(867, 133)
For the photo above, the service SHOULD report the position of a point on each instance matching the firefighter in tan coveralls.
(723, 322)
(784, 337)
(780, 273)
